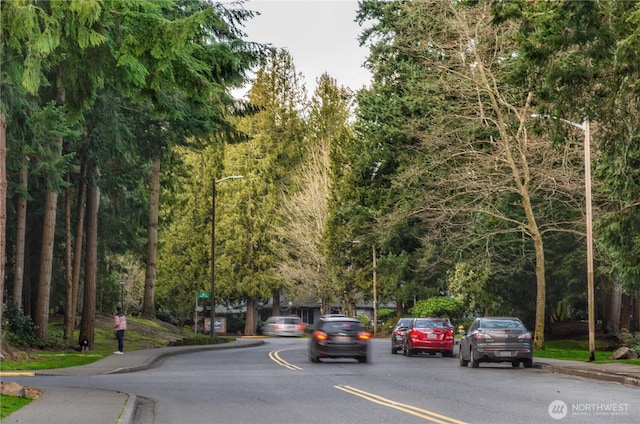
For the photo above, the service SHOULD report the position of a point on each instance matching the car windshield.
(403, 323)
(337, 326)
(502, 323)
(430, 324)
(291, 321)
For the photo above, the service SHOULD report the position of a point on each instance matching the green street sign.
(203, 295)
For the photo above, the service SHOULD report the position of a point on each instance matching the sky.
(320, 35)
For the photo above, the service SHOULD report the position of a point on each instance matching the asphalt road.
(276, 383)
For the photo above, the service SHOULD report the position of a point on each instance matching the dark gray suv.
(497, 339)
(339, 337)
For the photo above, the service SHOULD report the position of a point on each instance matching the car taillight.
(448, 335)
(364, 335)
(300, 327)
(320, 335)
(482, 336)
(525, 336)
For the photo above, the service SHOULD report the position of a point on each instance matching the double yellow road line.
(275, 357)
(407, 409)
(371, 397)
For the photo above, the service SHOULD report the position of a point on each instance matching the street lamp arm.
(230, 177)
(582, 126)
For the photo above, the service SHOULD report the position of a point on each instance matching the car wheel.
(394, 349)
(313, 359)
(448, 354)
(528, 363)
(362, 359)
(474, 362)
(463, 362)
(409, 351)
(515, 364)
(404, 350)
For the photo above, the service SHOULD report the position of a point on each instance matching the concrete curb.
(129, 410)
(592, 374)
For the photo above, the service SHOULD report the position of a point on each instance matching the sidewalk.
(618, 372)
(65, 405)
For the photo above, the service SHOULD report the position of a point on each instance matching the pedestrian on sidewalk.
(119, 325)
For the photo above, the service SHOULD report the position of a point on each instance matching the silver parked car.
(284, 326)
(497, 339)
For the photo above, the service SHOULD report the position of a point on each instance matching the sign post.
(200, 295)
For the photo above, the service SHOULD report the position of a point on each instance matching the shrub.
(17, 327)
(630, 340)
(438, 307)
(366, 321)
(386, 318)
(235, 325)
(166, 316)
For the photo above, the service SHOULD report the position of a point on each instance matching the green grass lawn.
(9, 404)
(43, 360)
(578, 350)
(142, 334)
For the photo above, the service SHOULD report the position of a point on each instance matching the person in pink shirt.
(119, 325)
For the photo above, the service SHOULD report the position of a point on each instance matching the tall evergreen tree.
(303, 267)
(247, 235)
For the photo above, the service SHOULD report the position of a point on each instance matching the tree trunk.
(148, 305)
(89, 303)
(538, 337)
(27, 281)
(250, 322)
(275, 310)
(635, 321)
(41, 315)
(625, 312)
(21, 229)
(68, 263)
(72, 295)
(615, 305)
(3, 208)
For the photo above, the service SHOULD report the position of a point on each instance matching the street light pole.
(589, 224)
(213, 250)
(375, 294)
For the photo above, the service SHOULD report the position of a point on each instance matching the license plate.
(504, 353)
(343, 339)
(432, 336)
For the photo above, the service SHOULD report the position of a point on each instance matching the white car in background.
(291, 326)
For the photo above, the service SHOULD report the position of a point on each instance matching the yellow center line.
(275, 357)
(408, 409)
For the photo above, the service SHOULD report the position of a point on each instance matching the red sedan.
(429, 335)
